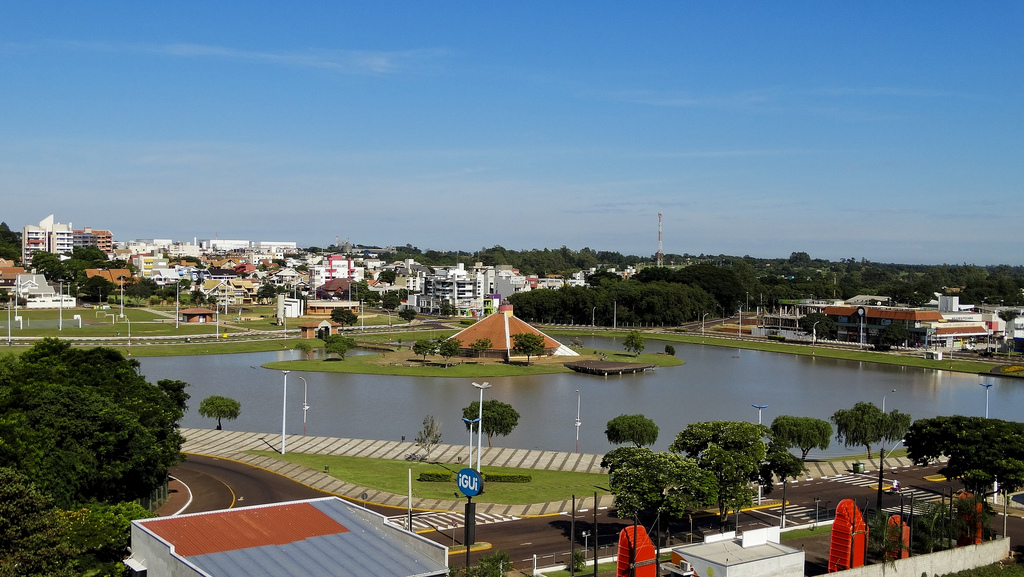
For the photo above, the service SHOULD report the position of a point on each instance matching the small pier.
(605, 368)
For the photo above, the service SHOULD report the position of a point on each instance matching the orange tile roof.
(235, 529)
(500, 332)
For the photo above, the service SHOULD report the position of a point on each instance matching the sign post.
(471, 485)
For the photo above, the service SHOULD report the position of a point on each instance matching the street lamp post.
(577, 420)
(470, 422)
(881, 457)
(702, 326)
(814, 335)
(995, 484)
(759, 408)
(284, 409)
(987, 387)
(593, 313)
(60, 314)
(305, 405)
(120, 281)
(177, 290)
(480, 427)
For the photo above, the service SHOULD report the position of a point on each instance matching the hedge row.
(445, 476)
(509, 478)
(436, 476)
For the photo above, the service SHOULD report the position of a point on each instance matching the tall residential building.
(48, 236)
(101, 239)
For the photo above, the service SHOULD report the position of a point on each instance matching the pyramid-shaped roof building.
(499, 328)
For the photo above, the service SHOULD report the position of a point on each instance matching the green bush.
(779, 338)
(670, 350)
(436, 476)
(467, 322)
(506, 478)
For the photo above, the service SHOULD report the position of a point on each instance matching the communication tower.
(660, 256)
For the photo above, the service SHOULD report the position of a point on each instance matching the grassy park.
(252, 329)
(392, 476)
(404, 362)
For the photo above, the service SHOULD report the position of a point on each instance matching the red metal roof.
(235, 529)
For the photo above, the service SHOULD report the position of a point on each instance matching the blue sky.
(892, 131)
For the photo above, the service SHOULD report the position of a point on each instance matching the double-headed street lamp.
(284, 409)
(759, 409)
(814, 335)
(479, 427)
(305, 405)
(470, 423)
(987, 387)
(577, 420)
(881, 456)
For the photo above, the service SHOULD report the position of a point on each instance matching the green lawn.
(411, 365)
(392, 476)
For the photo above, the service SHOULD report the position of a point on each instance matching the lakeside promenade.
(234, 444)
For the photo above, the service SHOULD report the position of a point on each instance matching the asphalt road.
(219, 484)
(222, 484)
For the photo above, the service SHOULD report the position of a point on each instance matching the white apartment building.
(48, 236)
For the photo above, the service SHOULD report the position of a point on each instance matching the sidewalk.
(232, 444)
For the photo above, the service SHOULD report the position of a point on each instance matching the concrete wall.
(941, 563)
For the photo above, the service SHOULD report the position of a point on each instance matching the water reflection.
(716, 383)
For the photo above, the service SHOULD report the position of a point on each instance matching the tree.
(338, 345)
(646, 482)
(125, 429)
(979, 450)
(636, 429)
(33, 534)
(448, 309)
(733, 451)
(825, 327)
(407, 315)
(102, 532)
(305, 347)
(893, 334)
(499, 418)
(424, 348)
(390, 301)
(865, 424)
(805, 433)
(430, 435)
(386, 276)
(634, 343)
(218, 407)
(267, 292)
(449, 348)
(480, 345)
(529, 344)
(344, 317)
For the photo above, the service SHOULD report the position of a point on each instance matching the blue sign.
(469, 482)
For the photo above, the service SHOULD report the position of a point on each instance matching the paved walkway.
(233, 444)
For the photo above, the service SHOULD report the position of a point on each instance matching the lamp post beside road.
(759, 408)
(881, 458)
(284, 409)
(305, 406)
(480, 427)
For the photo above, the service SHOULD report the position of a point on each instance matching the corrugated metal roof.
(366, 544)
(244, 528)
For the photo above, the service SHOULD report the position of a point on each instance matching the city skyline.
(892, 132)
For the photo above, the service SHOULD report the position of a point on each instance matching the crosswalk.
(446, 520)
(918, 496)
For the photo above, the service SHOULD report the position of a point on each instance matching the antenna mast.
(660, 255)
